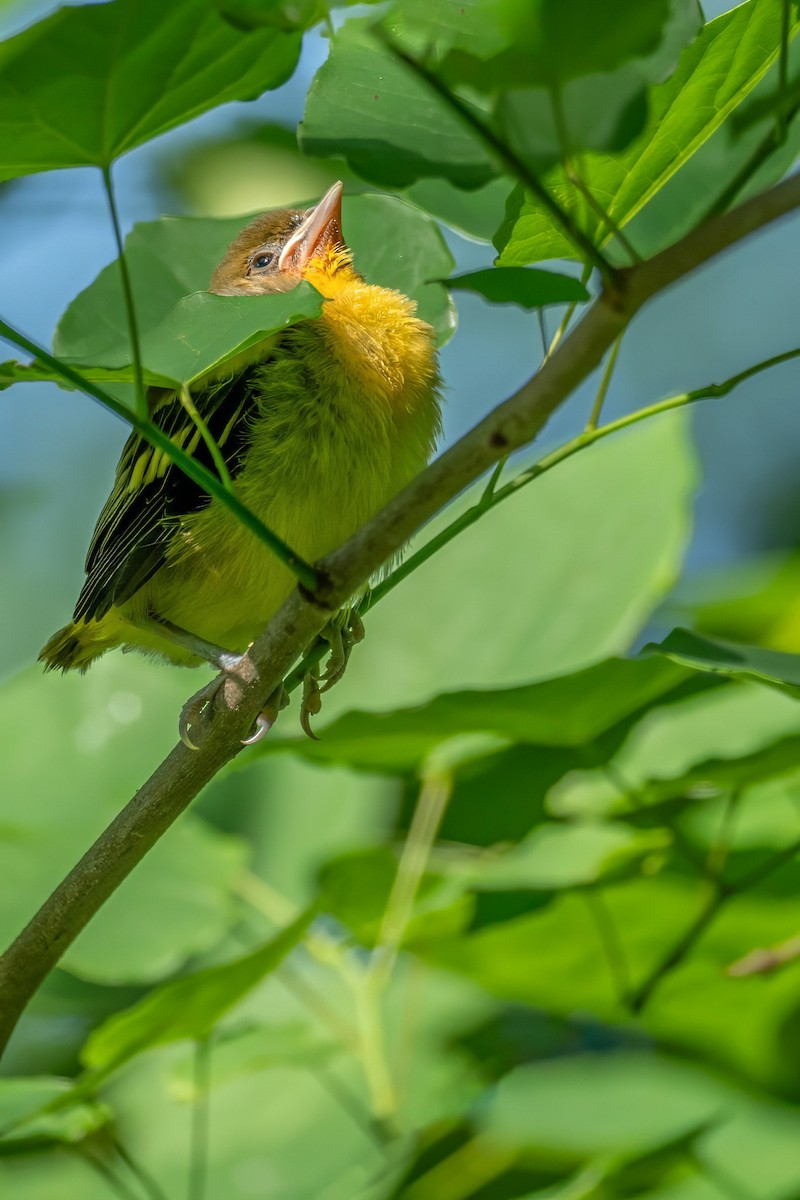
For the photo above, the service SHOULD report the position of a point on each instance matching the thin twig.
(127, 294)
(508, 427)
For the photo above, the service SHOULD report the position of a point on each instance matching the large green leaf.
(102, 730)
(693, 749)
(594, 1104)
(89, 83)
(557, 577)
(372, 110)
(188, 1007)
(565, 711)
(185, 331)
(714, 75)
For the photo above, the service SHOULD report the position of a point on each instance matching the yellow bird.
(319, 427)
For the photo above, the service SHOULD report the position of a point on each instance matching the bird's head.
(277, 250)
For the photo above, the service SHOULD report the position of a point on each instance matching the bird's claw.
(341, 635)
(342, 639)
(197, 709)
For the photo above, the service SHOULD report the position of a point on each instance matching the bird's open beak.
(322, 227)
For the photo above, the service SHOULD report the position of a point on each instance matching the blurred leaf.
(524, 286)
(287, 15)
(691, 750)
(188, 1007)
(558, 577)
(732, 658)
(365, 106)
(184, 331)
(565, 711)
(23, 1098)
(255, 1048)
(89, 83)
(554, 959)
(100, 730)
(714, 75)
(355, 888)
(623, 1103)
(557, 856)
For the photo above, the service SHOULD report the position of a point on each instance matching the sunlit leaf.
(714, 75)
(88, 83)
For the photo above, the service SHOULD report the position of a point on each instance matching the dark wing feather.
(150, 495)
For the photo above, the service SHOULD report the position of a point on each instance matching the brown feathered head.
(272, 252)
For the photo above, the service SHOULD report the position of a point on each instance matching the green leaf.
(561, 575)
(476, 214)
(178, 902)
(557, 856)
(732, 658)
(503, 43)
(183, 335)
(692, 753)
(714, 75)
(89, 83)
(188, 1007)
(565, 711)
(20, 1103)
(594, 1104)
(200, 333)
(277, 14)
(365, 106)
(523, 286)
(355, 889)
(254, 1048)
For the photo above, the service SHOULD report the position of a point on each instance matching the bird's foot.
(341, 634)
(196, 712)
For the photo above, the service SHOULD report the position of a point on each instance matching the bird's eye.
(263, 260)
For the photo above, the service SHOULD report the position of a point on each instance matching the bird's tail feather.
(75, 647)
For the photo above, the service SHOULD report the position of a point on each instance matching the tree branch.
(510, 426)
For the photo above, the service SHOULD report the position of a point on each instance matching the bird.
(319, 426)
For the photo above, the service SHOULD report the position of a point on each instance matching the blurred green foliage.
(504, 931)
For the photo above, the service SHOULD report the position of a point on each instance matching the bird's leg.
(342, 633)
(196, 709)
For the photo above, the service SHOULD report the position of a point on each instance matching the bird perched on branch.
(319, 426)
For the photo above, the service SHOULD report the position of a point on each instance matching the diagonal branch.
(508, 427)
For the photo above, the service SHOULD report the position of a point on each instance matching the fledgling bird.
(319, 426)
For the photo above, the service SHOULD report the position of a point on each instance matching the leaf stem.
(205, 433)
(512, 162)
(602, 391)
(201, 1110)
(783, 74)
(716, 896)
(127, 294)
(204, 478)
